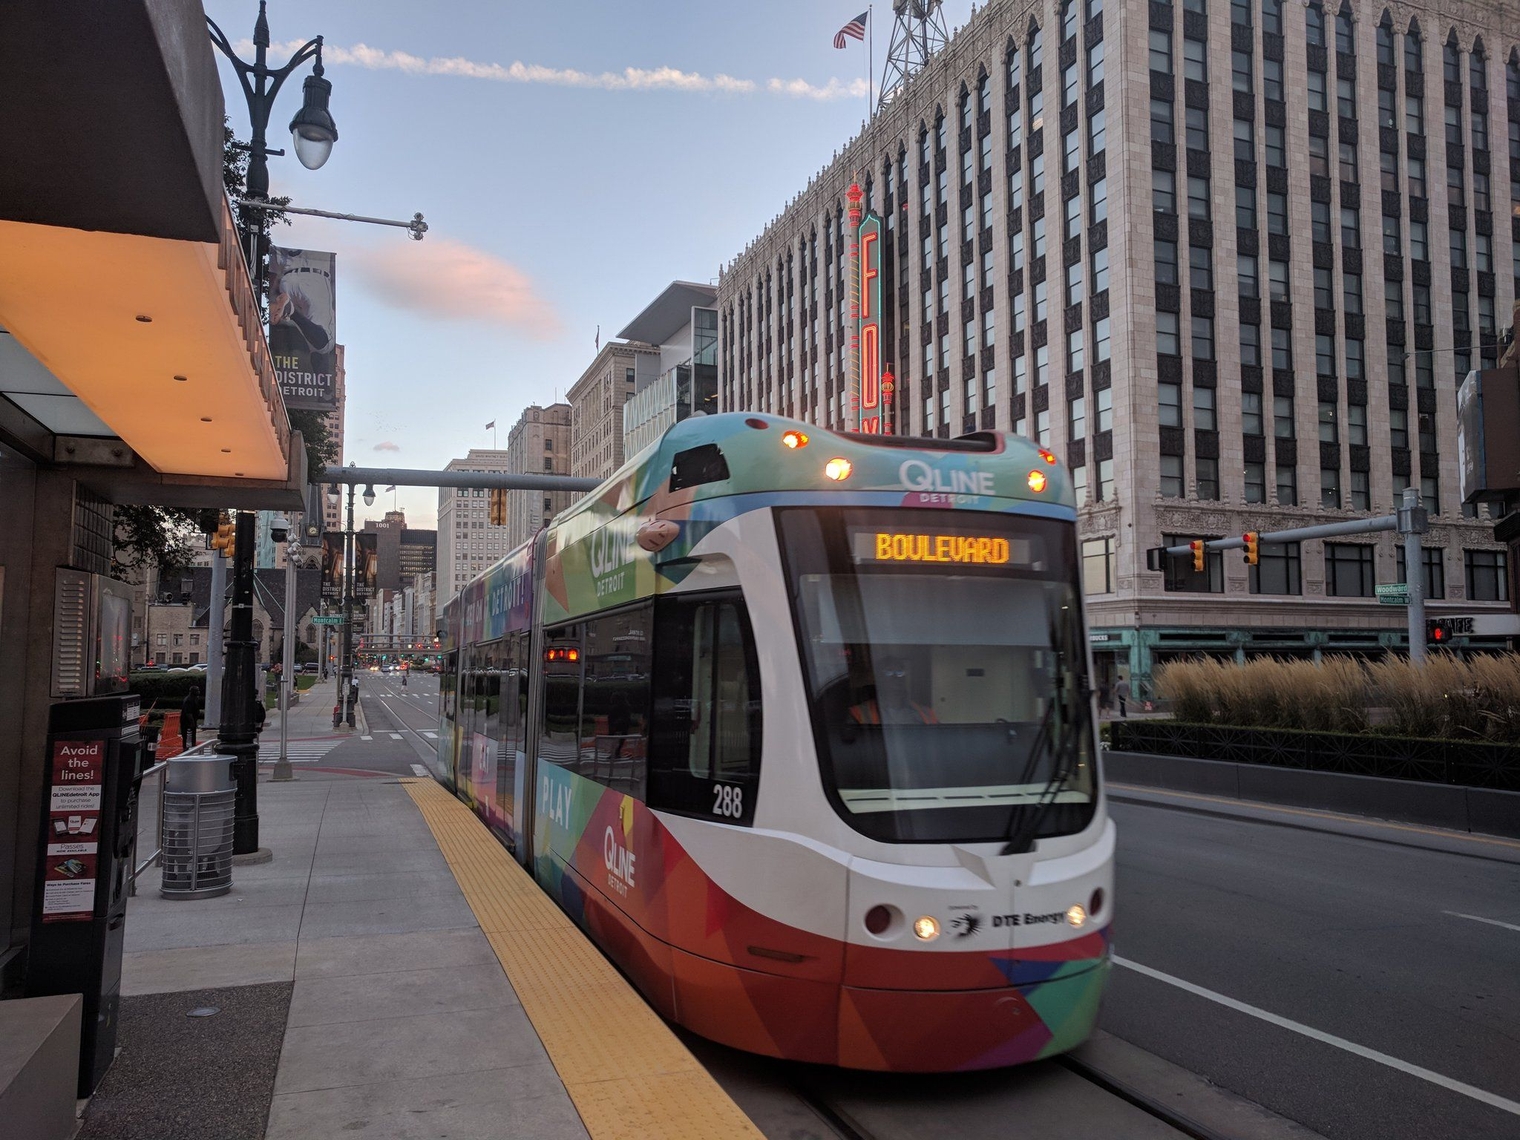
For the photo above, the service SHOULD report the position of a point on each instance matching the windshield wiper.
(1027, 826)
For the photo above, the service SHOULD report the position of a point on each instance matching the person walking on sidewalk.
(1121, 694)
(189, 717)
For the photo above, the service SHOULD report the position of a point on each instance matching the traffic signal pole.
(237, 738)
(1410, 521)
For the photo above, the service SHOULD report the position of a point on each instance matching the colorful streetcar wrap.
(797, 725)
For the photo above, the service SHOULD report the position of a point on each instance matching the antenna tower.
(917, 33)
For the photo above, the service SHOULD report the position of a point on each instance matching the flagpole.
(870, 58)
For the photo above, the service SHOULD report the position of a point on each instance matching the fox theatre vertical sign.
(303, 327)
(870, 382)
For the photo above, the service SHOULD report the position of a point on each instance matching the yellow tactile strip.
(628, 1074)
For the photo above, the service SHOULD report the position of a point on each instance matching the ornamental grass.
(1447, 697)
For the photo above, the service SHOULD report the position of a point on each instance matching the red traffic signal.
(1197, 547)
(1253, 545)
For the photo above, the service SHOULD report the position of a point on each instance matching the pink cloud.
(387, 445)
(453, 281)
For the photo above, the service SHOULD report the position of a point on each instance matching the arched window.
(983, 93)
(1314, 24)
(939, 130)
(965, 107)
(1413, 62)
(1034, 48)
(1451, 59)
(1477, 67)
(1012, 63)
(1385, 49)
(1512, 76)
(1345, 39)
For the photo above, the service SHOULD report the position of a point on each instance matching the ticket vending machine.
(94, 767)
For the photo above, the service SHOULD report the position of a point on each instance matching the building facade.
(467, 542)
(539, 444)
(596, 406)
(1057, 263)
(682, 323)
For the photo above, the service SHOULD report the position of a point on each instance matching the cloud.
(453, 281)
(387, 445)
(628, 79)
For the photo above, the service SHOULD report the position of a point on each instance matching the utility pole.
(236, 737)
(215, 638)
(351, 567)
(282, 768)
(1413, 523)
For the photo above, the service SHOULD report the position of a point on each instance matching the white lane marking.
(395, 736)
(1434, 1078)
(430, 735)
(1479, 918)
(421, 771)
(366, 738)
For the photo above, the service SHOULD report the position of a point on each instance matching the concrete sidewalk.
(355, 950)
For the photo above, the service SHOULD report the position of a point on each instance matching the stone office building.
(1108, 228)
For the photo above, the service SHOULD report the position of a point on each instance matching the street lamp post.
(236, 736)
(312, 130)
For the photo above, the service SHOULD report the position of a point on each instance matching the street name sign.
(1392, 594)
(328, 619)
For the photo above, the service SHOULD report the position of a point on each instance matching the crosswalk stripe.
(297, 751)
(366, 738)
(430, 735)
(395, 736)
(420, 770)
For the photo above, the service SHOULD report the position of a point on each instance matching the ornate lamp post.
(312, 130)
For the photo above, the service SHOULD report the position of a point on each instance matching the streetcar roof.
(984, 471)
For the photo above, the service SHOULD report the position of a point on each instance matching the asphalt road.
(405, 715)
(1360, 944)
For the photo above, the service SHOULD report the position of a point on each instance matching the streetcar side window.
(615, 699)
(705, 746)
(557, 743)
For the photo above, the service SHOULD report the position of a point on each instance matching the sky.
(571, 160)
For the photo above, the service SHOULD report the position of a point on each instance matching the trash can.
(199, 801)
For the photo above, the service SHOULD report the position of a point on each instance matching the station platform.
(389, 973)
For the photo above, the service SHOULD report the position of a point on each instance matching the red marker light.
(1048, 456)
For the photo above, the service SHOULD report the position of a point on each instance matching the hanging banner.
(869, 326)
(303, 328)
(332, 564)
(366, 563)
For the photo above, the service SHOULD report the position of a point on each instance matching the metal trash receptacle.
(199, 802)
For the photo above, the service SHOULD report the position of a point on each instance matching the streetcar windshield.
(947, 668)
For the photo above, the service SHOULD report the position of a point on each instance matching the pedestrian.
(1121, 694)
(258, 716)
(1105, 697)
(189, 717)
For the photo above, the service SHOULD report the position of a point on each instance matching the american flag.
(855, 29)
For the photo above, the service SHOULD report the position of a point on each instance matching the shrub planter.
(1471, 764)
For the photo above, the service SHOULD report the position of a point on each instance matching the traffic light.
(225, 538)
(498, 507)
(1197, 548)
(1252, 547)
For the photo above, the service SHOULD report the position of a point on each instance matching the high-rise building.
(539, 444)
(332, 513)
(467, 542)
(596, 406)
(683, 324)
(1057, 263)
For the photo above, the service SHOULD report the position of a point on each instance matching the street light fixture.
(312, 130)
(369, 496)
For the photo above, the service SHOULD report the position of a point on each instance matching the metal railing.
(161, 770)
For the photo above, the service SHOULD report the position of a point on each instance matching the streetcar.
(797, 726)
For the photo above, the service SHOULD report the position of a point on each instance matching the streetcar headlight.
(1076, 915)
(794, 439)
(838, 468)
(1037, 481)
(926, 928)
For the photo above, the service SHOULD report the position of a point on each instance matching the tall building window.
(1330, 488)
(1434, 559)
(1278, 570)
(1287, 485)
(1255, 482)
(1169, 401)
(1099, 566)
(1348, 570)
(1171, 477)
(1487, 574)
(1208, 478)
